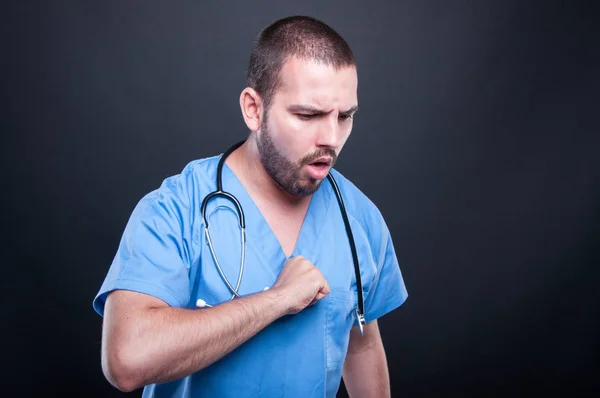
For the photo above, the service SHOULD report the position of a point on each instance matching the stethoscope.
(360, 310)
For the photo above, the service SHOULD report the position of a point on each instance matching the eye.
(305, 116)
(346, 117)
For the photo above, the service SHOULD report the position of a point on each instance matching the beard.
(285, 172)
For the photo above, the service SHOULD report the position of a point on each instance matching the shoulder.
(197, 177)
(177, 195)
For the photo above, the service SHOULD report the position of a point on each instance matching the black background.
(477, 138)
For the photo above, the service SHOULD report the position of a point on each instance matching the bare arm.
(148, 341)
(365, 369)
(145, 341)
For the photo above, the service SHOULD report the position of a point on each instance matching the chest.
(313, 341)
(272, 234)
(285, 224)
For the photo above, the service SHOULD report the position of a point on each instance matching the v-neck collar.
(261, 234)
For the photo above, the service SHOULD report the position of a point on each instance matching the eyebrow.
(317, 111)
(350, 111)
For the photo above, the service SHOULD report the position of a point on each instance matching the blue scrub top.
(164, 253)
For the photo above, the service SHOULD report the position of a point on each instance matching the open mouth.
(319, 168)
(321, 162)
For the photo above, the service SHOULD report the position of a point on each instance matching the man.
(294, 330)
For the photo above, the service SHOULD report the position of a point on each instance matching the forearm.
(365, 372)
(164, 344)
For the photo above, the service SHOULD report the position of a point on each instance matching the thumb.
(321, 295)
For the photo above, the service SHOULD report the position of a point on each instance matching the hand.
(301, 283)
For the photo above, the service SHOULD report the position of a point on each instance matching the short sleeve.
(388, 291)
(153, 256)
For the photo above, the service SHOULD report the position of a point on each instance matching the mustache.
(319, 153)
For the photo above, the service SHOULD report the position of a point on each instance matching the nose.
(330, 134)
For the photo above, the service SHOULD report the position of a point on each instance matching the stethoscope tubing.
(220, 193)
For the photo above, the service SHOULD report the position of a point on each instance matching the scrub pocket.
(339, 320)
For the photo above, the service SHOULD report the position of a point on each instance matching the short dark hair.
(298, 36)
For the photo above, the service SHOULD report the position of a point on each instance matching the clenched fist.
(301, 284)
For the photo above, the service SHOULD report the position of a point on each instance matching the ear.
(251, 105)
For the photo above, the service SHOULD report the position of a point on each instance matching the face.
(307, 124)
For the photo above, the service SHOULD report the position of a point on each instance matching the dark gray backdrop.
(477, 139)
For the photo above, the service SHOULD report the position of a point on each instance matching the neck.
(245, 162)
